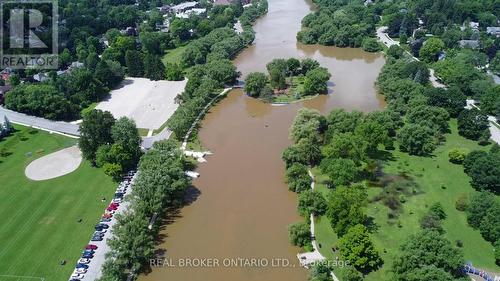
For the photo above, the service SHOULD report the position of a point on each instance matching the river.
(243, 206)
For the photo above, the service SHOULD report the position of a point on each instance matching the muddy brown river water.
(244, 207)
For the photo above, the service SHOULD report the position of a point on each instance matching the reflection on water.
(244, 207)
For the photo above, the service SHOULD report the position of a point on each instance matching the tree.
(255, 84)
(308, 123)
(319, 272)
(349, 273)
(341, 171)
(299, 234)
(311, 202)
(485, 173)
(371, 45)
(431, 48)
(308, 64)
(297, 178)
(416, 139)
(395, 51)
(427, 249)
(154, 69)
(348, 146)
(346, 207)
(277, 79)
(490, 101)
(479, 205)
(124, 132)
(472, 123)
(315, 81)
(134, 62)
(430, 116)
(174, 72)
(293, 66)
(95, 131)
(452, 99)
(357, 248)
(113, 170)
(457, 155)
(490, 225)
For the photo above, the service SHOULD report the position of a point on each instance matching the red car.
(114, 204)
(90, 247)
(111, 209)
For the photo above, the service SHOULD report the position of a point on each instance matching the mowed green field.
(439, 181)
(39, 220)
(174, 55)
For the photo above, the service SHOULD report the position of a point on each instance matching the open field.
(174, 55)
(149, 103)
(439, 181)
(38, 219)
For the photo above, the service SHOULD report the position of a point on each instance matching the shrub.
(462, 203)
(457, 155)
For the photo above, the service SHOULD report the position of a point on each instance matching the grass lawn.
(38, 220)
(174, 55)
(439, 181)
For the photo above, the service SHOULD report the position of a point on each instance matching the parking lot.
(149, 103)
(94, 267)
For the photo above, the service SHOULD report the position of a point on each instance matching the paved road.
(388, 41)
(40, 123)
(66, 128)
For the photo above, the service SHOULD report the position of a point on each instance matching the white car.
(80, 271)
(117, 200)
(84, 261)
(77, 276)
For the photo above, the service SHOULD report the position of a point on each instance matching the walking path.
(315, 256)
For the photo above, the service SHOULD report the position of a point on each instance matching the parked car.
(77, 276)
(84, 261)
(87, 256)
(96, 238)
(117, 200)
(111, 210)
(107, 215)
(103, 225)
(80, 271)
(98, 233)
(115, 204)
(105, 219)
(91, 246)
(88, 252)
(81, 265)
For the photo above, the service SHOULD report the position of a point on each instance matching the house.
(165, 9)
(182, 7)
(222, 2)
(40, 77)
(188, 13)
(3, 91)
(471, 44)
(129, 31)
(493, 30)
(473, 25)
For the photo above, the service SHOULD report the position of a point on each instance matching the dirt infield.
(149, 103)
(54, 165)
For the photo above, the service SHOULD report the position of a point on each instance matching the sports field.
(39, 225)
